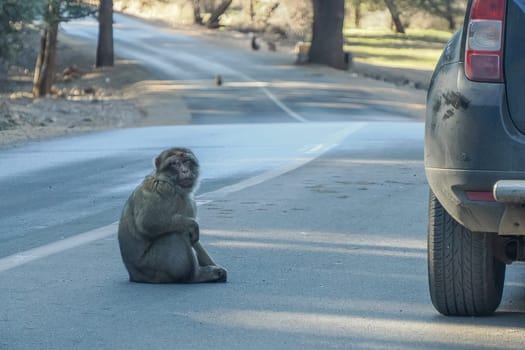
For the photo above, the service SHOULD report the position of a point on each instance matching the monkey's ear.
(156, 162)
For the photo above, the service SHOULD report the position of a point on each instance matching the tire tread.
(464, 277)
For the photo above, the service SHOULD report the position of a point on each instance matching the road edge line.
(334, 139)
(27, 256)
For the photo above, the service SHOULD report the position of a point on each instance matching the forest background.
(371, 27)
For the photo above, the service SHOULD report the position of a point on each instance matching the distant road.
(258, 86)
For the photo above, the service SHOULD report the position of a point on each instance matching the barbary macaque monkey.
(158, 234)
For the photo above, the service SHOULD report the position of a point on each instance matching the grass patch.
(418, 49)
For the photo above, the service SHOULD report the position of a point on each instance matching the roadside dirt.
(85, 98)
(127, 95)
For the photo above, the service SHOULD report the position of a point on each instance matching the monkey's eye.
(186, 163)
(190, 163)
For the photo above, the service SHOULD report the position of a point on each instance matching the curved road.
(258, 87)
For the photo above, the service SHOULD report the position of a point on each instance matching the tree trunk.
(105, 57)
(358, 15)
(451, 23)
(269, 13)
(450, 17)
(213, 22)
(252, 11)
(442, 9)
(327, 34)
(45, 63)
(197, 18)
(390, 4)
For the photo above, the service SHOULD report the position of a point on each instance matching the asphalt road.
(317, 209)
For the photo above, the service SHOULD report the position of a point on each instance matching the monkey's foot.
(223, 275)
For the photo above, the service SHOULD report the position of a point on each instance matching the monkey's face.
(180, 165)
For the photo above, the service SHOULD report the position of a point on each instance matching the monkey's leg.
(202, 255)
(208, 271)
(170, 259)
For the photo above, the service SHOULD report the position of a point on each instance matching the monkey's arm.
(154, 218)
(153, 226)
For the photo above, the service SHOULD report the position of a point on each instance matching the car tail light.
(484, 46)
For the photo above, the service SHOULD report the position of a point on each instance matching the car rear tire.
(465, 278)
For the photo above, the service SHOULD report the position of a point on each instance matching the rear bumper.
(511, 193)
(504, 215)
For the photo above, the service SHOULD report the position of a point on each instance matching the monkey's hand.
(193, 230)
(186, 226)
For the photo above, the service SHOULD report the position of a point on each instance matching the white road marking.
(27, 256)
(315, 149)
(312, 154)
(30, 255)
(282, 105)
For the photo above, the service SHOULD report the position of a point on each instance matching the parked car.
(475, 159)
